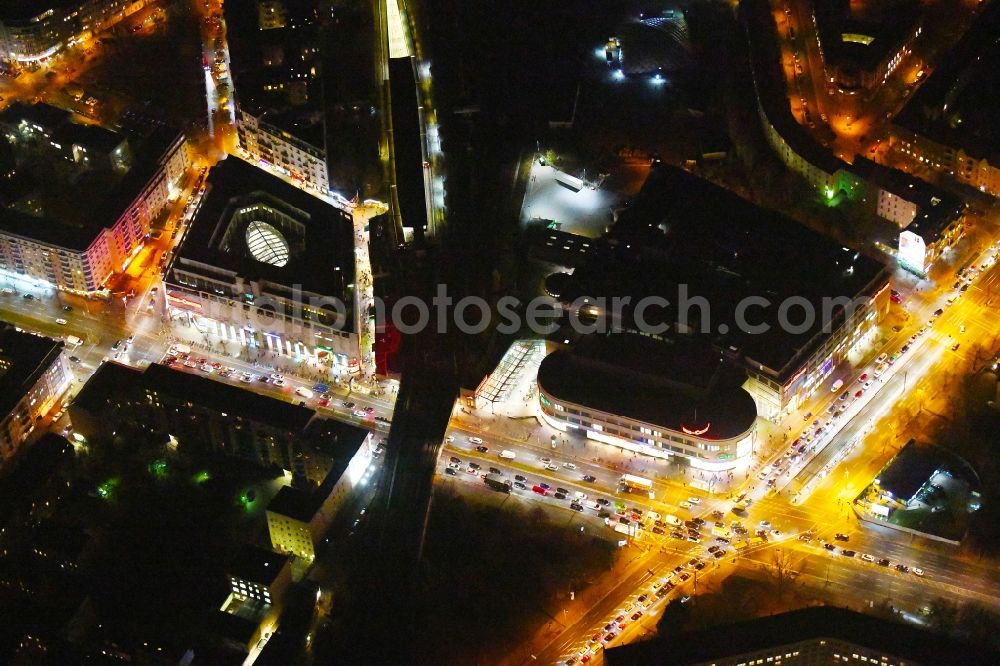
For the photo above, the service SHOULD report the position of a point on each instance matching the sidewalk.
(300, 367)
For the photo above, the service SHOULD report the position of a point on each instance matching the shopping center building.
(663, 399)
(776, 299)
(266, 265)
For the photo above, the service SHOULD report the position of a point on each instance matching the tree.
(780, 571)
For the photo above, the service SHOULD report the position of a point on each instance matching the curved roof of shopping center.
(678, 388)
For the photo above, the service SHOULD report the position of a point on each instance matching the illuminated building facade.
(131, 187)
(814, 636)
(658, 399)
(32, 31)
(280, 119)
(298, 518)
(949, 125)
(33, 375)
(862, 44)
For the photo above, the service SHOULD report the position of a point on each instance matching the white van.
(837, 385)
(507, 455)
(73, 341)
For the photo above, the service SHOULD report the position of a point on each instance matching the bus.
(631, 483)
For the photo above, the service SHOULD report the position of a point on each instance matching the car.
(677, 535)
(843, 396)
(863, 378)
(902, 568)
(117, 344)
(562, 490)
(635, 616)
(369, 410)
(904, 349)
(324, 403)
(579, 495)
(67, 308)
(540, 490)
(955, 346)
(694, 500)
(482, 449)
(545, 485)
(867, 558)
(722, 539)
(884, 562)
(475, 465)
(609, 637)
(28, 297)
(694, 538)
(450, 471)
(520, 477)
(576, 506)
(765, 524)
(859, 394)
(917, 571)
(454, 459)
(684, 577)
(938, 312)
(349, 405)
(552, 468)
(603, 502)
(494, 470)
(589, 479)
(545, 461)
(776, 534)
(848, 553)
(568, 465)
(830, 547)
(867, 385)
(699, 566)
(358, 413)
(684, 505)
(805, 537)
(476, 440)
(519, 485)
(839, 536)
(74, 359)
(658, 530)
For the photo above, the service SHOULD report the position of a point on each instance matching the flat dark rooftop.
(904, 641)
(23, 359)
(258, 565)
(112, 379)
(321, 261)
(45, 115)
(22, 10)
(957, 105)
(666, 383)
(92, 137)
(259, 86)
(887, 28)
(911, 468)
(937, 207)
(684, 232)
(78, 232)
(342, 442)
